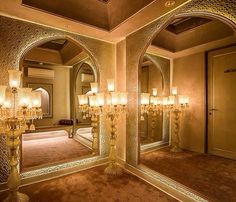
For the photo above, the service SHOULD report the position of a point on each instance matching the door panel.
(222, 102)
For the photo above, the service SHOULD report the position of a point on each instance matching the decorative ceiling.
(185, 33)
(104, 14)
(55, 52)
(56, 45)
(181, 25)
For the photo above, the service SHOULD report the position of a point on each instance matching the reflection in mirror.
(83, 129)
(151, 80)
(197, 48)
(45, 101)
(60, 70)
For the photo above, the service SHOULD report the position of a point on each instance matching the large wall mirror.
(60, 70)
(196, 55)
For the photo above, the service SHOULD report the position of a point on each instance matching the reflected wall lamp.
(174, 104)
(111, 104)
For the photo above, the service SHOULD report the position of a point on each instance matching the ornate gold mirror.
(196, 55)
(60, 70)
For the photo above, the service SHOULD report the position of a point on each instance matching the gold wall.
(189, 76)
(60, 95)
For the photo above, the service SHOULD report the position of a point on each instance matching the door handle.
(211, 110)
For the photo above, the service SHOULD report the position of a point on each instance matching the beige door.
(222, 102)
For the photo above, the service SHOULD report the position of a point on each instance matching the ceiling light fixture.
(169, 4)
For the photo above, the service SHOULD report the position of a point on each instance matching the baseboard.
(33, 178)
(165, 184)
(157, 180)
(153, 146)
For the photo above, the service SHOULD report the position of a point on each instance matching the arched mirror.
(45, 101)
(192, 144)
(59, 69)
(84, 76)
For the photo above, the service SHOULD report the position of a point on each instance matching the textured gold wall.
(136, 45)
(17, 37)
(189, 76)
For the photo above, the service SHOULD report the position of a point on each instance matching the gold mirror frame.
(136, 46)
(12, 53)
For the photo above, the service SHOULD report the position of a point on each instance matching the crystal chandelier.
(18, 106)
(111, 104)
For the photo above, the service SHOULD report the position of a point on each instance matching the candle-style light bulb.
(2, 95)
(94, 87)
(145, 98)
(100, 99)
(123, 98)
(110, 85)
(82, 99)
(154, 92)
(174, 90)
(36, 99)
(171, 100)
(14, 78)
(24, 97)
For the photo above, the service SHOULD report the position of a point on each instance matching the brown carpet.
(93, 185)
(51, 150)
(212, 176)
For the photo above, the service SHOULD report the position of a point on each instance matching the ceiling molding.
(14, 9)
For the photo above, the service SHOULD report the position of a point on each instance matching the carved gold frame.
(18, 38)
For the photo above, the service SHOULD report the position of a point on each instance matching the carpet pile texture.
(212, 176)
(51, 150)
(94, 186)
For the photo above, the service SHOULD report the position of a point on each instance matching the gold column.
(113, 168)
(13, 132)
(94, 124)
(154, 117)
(175, 135)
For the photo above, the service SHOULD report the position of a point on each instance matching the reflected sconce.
(176, 105)
(145, 104)
(151, 105)
(83, 105)
(17, 107)
(110, 85)
(112, 104)
(94, 87)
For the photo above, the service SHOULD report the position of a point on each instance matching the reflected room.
(187, 132)
(60, 70)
